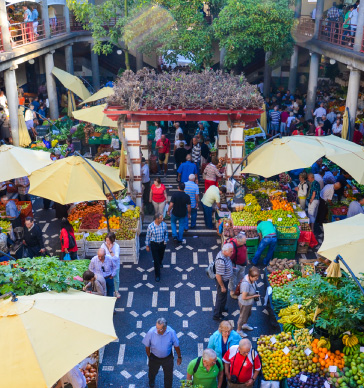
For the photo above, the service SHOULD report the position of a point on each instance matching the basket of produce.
(25, 208)
(307, 269)
(288, 232)
(277, 264)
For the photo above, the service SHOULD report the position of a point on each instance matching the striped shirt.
(223, 266)
(156, 233)
(192, 189)
(211, 173)
(196, 153)
(275, 115)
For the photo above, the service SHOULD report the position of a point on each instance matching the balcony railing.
(75, 25)
(58, 26)
(26, 33)
(335, 33)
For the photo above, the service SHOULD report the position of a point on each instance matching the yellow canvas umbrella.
(263, 119)
(73, 180)
(43, 336)
(280, 155)
(24, 138)
(17, 162)
(95, 115)
(344, 131)
(345, 238)
(71, 103)
(71, 82)
(346, 154)
(122, 163)
(102, 93)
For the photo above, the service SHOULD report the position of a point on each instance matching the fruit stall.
(24, 207)
(90, 226)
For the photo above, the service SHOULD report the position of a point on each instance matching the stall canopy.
(17, 162)
(73, 180)
(43, 336)
(71, 82)
(95, 115)
(345, 238)
(102, 93)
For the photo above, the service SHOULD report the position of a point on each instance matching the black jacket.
(180, 155)
(33, 237)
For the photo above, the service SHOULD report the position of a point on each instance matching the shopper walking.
(156, 241)
(302, 190)
(68, 240)
(112, 249)
(211, 173)
(242, 365)
(146, 186)
(179, 209)
(313, 199)
(163, 146)
(186, 169)
(33, 238)
(158, 344)
(248, 293)
(105, 266)
(224, 272)
(192, 190)
(211, 196)
(268, 238)
(196, 153)
(206, 371)
(180, 156)
(223, 338)
(158, 196)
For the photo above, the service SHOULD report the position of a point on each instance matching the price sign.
(348, 332)
(311, 331)
(362, 349)
(303, 378)
(307, 352)
(289, 276)
(332, 368)
(269, 219)
(315, 263)
(294, 206)
(286, 350)
(76, 221)
(326, 357)
(289, 216)
(326, 384)
(249, 204)
(279, 219)
(273, 340)
(253, 179)
(299, 306)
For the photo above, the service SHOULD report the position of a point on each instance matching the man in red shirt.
(284, 117)
(357, 135)
(163, 146)
(242, 365)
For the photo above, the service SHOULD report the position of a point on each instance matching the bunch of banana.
(290, 310)
(350, 340)
(351, 350)
(296, 316)
(289, 328)
(324, 343)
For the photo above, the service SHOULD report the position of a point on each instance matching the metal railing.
(75, 24)
(335, 33)
(26, 33)
(305, 26)
(57, 25)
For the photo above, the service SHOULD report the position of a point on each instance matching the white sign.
(362, 349)
(311, 331)
(315, 263)
(289, 276)
(307, 352)
(273, 340)
(289, 216)
(348, 332)
(303, 378)
(332, 368)
(269, 219)
(326, 385)
(327, 356)
(286, 350)
(279, 219)
(299, 306)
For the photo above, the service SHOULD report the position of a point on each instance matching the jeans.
(167, 365)
(157, 254)
(221, 299)
(238, 274)
(109, 286)
(274, 128)
(270, 242)
(181, 226)
(207, 215)
(117, 280)
(193, 219)
(283, 127)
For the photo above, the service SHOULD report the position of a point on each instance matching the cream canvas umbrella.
(345, 238)
(71, 82)
(346, 154)
(284, 154)
(73, 180)
(24, 138)
(43, 336)
(17, 162)
(102, 93)
(95, 115)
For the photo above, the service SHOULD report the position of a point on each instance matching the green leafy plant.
(41, 274)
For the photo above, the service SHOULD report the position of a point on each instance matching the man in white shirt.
(319, 112)
(178, 131)
(319, 178)
(158, 131)
(261, 86)
(353, 16)
(326, 195)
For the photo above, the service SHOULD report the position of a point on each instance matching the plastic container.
(288, 235)
(285, 255)
(252, 242)
(286, 248)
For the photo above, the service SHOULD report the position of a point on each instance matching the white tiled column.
(222, 145)
(144, 140)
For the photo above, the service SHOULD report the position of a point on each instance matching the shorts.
(165, 161)
(312, 210)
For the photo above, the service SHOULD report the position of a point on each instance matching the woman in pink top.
(319, 129)
(158, 195)
(211, 173)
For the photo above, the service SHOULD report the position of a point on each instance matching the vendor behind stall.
(356, 207)
(268, 238)
(12, 211)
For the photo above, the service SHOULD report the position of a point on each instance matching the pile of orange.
(276, 366)
(326, 358)
(114, 223)
(281, 204)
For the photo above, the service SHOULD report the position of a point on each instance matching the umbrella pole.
(339, 258)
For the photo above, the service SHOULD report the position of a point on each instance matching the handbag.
(67, 257)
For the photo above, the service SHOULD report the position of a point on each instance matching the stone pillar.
(297, 10)
(68, 53)
(312, 85)
(95, 70)
(66, 13)
(222, 139)
(132, 137)
(45, 19)
(222, 57)
(292, 81)
(352, 98)
(4, 30)
(11, 92)
(144, 140)
(319, 12)
(267, 75)
(139, 60)
(51, 86)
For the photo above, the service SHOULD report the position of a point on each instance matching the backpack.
(71, 240)
(211, 269)
(218, 364)
(236, 250)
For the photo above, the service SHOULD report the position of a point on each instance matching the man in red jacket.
(239, 259)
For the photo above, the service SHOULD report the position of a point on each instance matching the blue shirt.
(12, 210)
(192, 189)
(34, 15)
(315, 168)
(160, 344)
(185, 169)
(36, 105)
(156, 233)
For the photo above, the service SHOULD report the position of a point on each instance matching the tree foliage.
(246, 25)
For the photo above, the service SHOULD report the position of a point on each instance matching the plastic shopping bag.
(67, 257)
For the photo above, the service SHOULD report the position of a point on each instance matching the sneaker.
(184, 241)
(219, 319)
(117, 295)
(232, 295)
(247, 327)
(242, 334)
